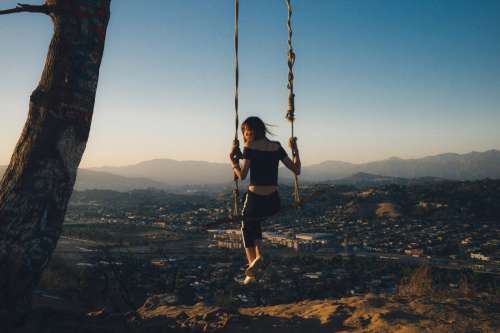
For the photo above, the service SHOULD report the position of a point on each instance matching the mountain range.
(170, 174)
(470, 166)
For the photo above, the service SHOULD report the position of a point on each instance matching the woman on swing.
(261, 157)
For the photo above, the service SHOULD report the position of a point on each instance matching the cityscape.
(344, 241)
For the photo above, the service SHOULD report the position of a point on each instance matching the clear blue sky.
(374, 78)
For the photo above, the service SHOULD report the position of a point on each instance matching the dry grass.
(425, 282)
(387, 209)
(419, 283)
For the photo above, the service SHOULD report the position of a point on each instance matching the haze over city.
(373, 79)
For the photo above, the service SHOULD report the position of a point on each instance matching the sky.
(374, 79)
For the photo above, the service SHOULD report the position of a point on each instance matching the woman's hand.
(292, 143)
(235, 155)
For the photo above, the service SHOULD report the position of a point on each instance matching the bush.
(437, 283)
(419, 283)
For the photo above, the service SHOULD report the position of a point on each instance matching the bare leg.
(250, 252)
(258, 247)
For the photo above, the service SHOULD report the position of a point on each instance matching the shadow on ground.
(364, 313)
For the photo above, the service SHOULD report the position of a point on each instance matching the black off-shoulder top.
(264, 165)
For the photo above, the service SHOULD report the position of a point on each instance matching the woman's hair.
(258, 127)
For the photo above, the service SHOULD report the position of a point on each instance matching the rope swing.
(290, 114)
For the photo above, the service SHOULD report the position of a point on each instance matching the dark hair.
(258, 127)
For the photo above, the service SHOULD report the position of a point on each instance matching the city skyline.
(373, 80)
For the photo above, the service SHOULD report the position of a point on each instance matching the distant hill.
(89, 180)
(474, 165)
(469, 166)
(363, 179)
(92, 180)
(175, 173)
(168, 173)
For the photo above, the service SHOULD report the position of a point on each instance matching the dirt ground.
(367, 313)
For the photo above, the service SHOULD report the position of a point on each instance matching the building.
(479, 256)
(226, 238)
(315, 236)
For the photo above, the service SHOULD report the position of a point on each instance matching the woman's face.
(247, 134)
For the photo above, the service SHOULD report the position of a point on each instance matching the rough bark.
(37, 185)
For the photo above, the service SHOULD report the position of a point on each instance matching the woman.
(261, 157)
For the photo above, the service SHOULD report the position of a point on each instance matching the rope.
(236, 70)
(290, 115)
(236, 190)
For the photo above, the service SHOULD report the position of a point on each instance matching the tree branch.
(24, 8)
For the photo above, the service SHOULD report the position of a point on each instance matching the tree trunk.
(38, 183)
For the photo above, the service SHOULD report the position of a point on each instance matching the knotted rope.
(236, 142)
(290, 115)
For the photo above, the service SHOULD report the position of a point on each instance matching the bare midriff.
(262, 189)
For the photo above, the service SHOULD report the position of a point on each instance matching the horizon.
(305, 165)
(373, 80)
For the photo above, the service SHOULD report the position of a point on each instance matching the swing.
(290, 115)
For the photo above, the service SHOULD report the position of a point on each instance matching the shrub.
(419, 283)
